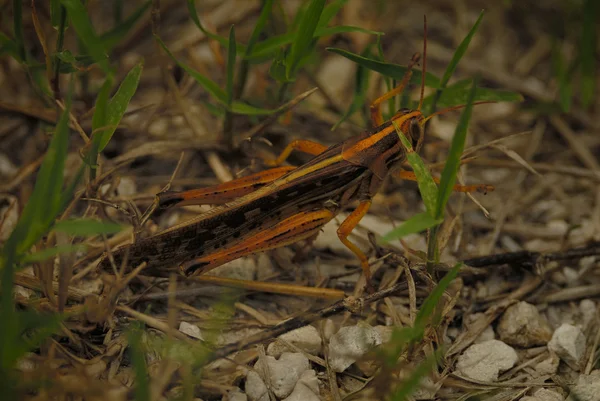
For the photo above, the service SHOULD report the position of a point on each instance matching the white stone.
(544, 394)
(191, 330)
(306, 389)
(568, 342)
(486, 360)
(587, 387)
(255, 387)
(283, 373)
(523, 326)
(351, 343)
(306, 338)
(588, 309)
(548, 366)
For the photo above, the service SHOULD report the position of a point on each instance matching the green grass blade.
(410, 384)
(18, 28)
(448, 178)
(238, 107)
(111, 38)
(223, 41)
(330, 11)
(458, 93)
(427, 186)
(456, 57)
(46, 199)
(561, 73)
(52, 252)
(117, 106)
(138, 361)
(361, 85)
(231, 55)
(589, 38)
(394, 71)
(10, 47)
(211, 87)
(261, 22)
(426, 312)
(416, 224)
(86, 227)
(80, 21)
(460, 52)
(303, 39)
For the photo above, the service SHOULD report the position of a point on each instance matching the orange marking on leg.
(376, 115)
(344, 231)
(301, 145)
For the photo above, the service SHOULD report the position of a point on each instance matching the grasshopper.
(285, 204)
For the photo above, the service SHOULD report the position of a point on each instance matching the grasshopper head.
(412, 126)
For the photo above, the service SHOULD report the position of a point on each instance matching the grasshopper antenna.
(423, 71)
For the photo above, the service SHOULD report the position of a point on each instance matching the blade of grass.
(458, 93)
(138, 361)
(223, 41)
(427, 186)
(359, 99)
(456, 57)
(448, 178)
(303, 39)
(561, 73)
(329, 12)
(80, 21)
(388, 69)
(86, 227)
(589, 37)
(52, 252)
(111, 38)
(18, 28)
(117, 105)
(410, 384)
(414, 225)
(231, 55)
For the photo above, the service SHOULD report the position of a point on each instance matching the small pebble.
(306, 389)
(306, 338)
(568, 342)
(191, 330)
(548, 366)
(544, 394)
(283, 373)
(523, 326)
(349, 344)
(486, 360)
(587, 387)
(235, 395)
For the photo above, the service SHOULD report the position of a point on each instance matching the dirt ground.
(521, 320)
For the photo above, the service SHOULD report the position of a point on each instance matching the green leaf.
(426, 312)
(111, 38)
(303, 39)
(138, 361)
(361, 84)
(238, 107)
(427, 187)
(10, 47)
(56, 13)
(80, 21)
(448, 178)
(117, 106)
(231, 54)
(261, 22)
(416, 224)
(52, 252)
(330, 11)
(589, 38)
(212, 88)
(18, 28)
(460, 52)
(223, 41)
(408, 385)
(458, 93)
(456, 57)
(388, 69)
(86, 227)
